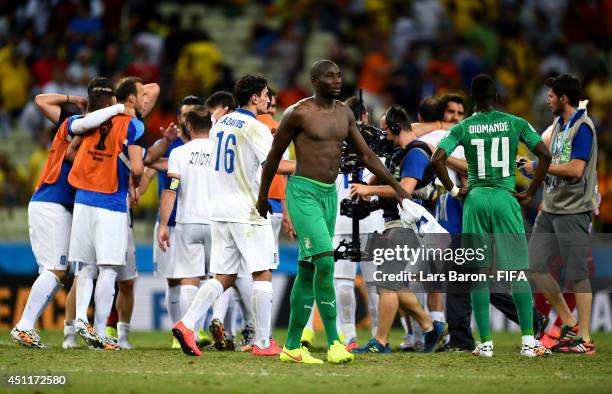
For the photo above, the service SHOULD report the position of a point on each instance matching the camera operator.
(345, 269)
(410, 166)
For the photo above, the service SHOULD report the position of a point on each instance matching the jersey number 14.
(228, 154)
(504, 163)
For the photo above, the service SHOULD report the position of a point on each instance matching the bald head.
(319, 67)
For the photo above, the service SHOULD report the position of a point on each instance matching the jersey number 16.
(228, 154)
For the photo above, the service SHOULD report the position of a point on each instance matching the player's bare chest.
(326, 128)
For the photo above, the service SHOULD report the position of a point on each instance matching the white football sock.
(186, 296)
(42, 292)
(244, 287)
(345, 294)
(220, 306)
(205, 297)
(417, 330)
(404, 324)
(103, 298)
(373, 307)
(84, 290)
(123, 331)
(173, 303)
(228, 321)
(262, 311)
(310, 322)
(69, 329)
(438, 316)
(528, 340)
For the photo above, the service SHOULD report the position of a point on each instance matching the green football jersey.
(490, 141)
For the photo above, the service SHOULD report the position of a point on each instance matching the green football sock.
(521, 294)
(301, 300)
(325, 295)
(480, 305)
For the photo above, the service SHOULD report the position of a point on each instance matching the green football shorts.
(492, 221)
(312, 206)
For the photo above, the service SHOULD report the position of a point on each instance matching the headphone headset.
(390, 120)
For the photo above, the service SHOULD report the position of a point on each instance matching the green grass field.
(153, 367)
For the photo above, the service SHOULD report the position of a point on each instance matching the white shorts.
(242, 248)
(163, 262)
(49, 226)
(276, 219)
(346, 269)
(129, 270)
(192, 249)
(99, 236)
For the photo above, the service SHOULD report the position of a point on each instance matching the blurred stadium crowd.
(397, 51)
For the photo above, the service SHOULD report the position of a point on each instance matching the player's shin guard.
(220, 306)
(325, 296)
(173, 303)
(42, 292)
(302, 299)
(206, 296)
(521, 294)
(244, 287)
(373, 307)
(262, 311)
(480, 305)
(345, 292)
(186, 297)
(84, 290)
(104, 297)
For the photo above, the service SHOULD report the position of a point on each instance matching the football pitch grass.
(153, 367)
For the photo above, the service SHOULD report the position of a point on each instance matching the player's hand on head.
(171, 132)
(163, 238)
(523, 198)
(263, 207)
(80, 102)
(219, 112)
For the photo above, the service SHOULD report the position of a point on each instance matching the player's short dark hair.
(356, 105)
(247, 86)
(431, 109)
(319, 66)
(221, 98)
(483, 88)
(100, 93)
(126, 87)
(567, 85)
(397, 119)
(199, 118)
(192, 100)
(452, 98)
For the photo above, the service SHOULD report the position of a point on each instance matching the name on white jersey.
(232, 122)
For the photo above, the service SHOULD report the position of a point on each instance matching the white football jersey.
(190, 162)
(434, 138)
(240, 145)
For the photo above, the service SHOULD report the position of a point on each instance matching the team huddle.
(227, 188)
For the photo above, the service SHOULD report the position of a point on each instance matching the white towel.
(427, 229)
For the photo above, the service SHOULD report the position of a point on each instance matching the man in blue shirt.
(100, 221)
